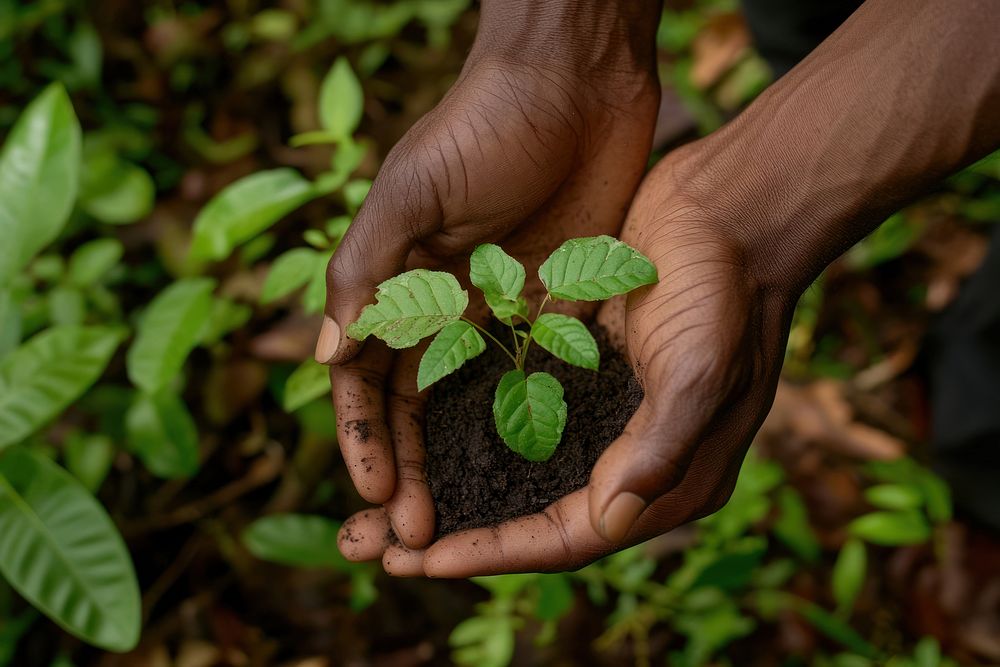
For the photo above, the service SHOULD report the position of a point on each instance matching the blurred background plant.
(174, 177)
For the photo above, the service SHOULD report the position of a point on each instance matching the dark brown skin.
(738, 224)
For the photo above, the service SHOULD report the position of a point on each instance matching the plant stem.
(527, 341)
(494, 339)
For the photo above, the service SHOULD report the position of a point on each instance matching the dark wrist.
(582, 38)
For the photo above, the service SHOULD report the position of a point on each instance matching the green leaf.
(67, 306)
(226, 316)
(595, 268)
(453, 346)
(555, 597)
(894, 497)
(43, 376)
(114, 190)
(289, 272)
(246, 208)
(314, 296)
(298, 540)
(10, 322)
(410, 307)
(891, 528)
(530, 413)
(62, 552)
(793, 526)
(567, 338)
(163, 434)
(483, 641)
(501, 279)
(169, 329)
(91, 261)
(495, 272)
(341, 100)
(39, 178)
(927, 653)
(849, 574)
(89, 458)
(306, 383)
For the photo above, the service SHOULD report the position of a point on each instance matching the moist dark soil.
(476, 480)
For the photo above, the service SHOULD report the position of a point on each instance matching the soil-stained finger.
(362, 431)
(398, 561)
(365, 536)
(411, 508)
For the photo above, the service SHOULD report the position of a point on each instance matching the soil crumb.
(476, 480)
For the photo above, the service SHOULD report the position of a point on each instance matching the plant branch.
(527, 341)
(494, 339)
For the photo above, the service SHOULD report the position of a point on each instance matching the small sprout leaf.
(894, 497)
(567, 338)
(453, 346)
(290, 271)
(891, 528)
(595, 268)
(410, 307)
(530, 413)
(849, 574)
(501, 278)
(341, 100)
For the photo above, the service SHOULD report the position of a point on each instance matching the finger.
(359, 401)
(365, 536)
(645, 462)
(400, 209)
(411, 508)
(398, 561)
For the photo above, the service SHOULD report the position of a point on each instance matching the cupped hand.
(517, 153)
(706, 343)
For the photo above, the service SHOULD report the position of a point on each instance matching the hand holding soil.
(708, 366)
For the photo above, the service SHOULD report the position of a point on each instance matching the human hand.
(706, 343)
(543, 137)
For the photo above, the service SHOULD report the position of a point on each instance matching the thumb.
(394, 217)
(645, 462)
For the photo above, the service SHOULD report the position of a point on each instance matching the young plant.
(528, 409)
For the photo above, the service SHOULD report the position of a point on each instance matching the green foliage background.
(173, 180)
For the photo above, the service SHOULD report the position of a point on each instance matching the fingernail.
(329, 340)
(620, 514)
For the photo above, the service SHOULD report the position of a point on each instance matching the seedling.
(529, 410)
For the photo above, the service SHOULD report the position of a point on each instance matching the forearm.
(903, 94)
(585, 36)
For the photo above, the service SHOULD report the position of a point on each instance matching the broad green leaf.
(341, 100)
(43, 376)
(39, 177)
(169, 329)
(410, 307)
(927, 653)
(298, 540)
(530, 413)
(937, 495)
(891, 528)
(246, 208)
(567, 338)
(595, 268)
(306, 383)
(849, 574)
(495, 272)
(89, 458)
(894, 497)
(453, 346)
(163, 434)
(501, 279)
(91, 261)
(67, 306)
(62, 552)
(289, 272)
